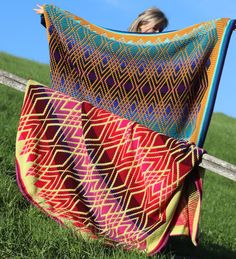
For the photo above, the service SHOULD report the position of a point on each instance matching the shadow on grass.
(182, 247)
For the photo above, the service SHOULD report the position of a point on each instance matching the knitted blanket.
(166, 81)
(109, 149)
(104, 175)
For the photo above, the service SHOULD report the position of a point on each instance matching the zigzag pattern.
(156, 81)
(103, 174)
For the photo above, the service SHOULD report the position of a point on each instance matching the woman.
(150, 21)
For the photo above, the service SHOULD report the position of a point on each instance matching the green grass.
(25, 232)
(25, 68)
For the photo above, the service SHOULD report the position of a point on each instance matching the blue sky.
(23, 36)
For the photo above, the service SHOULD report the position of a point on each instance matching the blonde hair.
(152, 14)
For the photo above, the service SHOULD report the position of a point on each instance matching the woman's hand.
(39, 10)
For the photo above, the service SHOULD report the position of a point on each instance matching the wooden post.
(13, 81)
(218, 166)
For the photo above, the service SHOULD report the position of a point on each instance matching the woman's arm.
(40, 11)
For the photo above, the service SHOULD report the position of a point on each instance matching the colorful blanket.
(101, 151)
(102, 174)
(166, 81)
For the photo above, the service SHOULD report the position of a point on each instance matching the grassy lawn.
(27, 233)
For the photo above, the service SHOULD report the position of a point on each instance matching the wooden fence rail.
(209, 162)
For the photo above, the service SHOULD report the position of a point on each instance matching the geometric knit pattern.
(165, 81)
(102, 174)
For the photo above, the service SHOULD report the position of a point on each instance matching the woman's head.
(151, 20)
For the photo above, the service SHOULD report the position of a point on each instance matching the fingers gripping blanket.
(96, 152)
